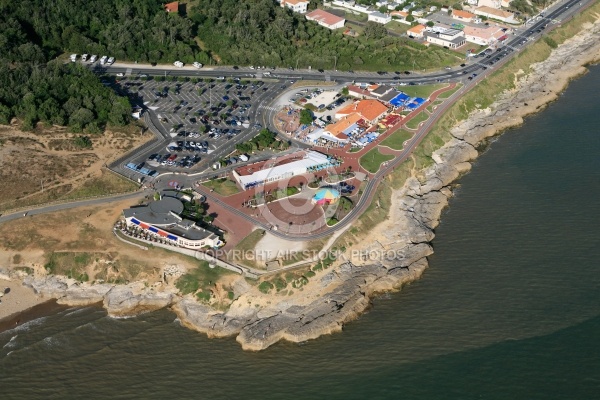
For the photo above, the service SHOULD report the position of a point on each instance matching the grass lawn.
(373, 159)
(396, 140)
(416, 120)
(201, 278)
(397, 27)
(449, 93)
(223, 186)
(423, 91)
(433, 105)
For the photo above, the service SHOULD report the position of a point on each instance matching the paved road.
(73, 204)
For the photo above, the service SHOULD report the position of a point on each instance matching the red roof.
(324, 17)
(172, 7)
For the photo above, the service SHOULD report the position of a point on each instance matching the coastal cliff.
(345, 292)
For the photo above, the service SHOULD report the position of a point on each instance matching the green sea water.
(509, 308)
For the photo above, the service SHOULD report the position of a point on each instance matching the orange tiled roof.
(417, 29)
(368, 109)
(339, 127)
(463, 14)
(172, 7)
(324, 16)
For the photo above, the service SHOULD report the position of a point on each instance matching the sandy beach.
(17, 298)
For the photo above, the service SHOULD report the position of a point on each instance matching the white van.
(103, 60)
(197, 64)
(73, 57)
(178, 64)
(94, 58)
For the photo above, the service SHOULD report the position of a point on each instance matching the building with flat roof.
(326, 19)
(451, 38)
(284, 167)
(380, 18)
(299, 6)
(162, 218)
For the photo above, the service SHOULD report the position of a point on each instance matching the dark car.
(463, 65)
(382, 72)
(407, 72)
(236, 67)
(321, 70)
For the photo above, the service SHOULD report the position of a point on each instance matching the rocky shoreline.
(345, 292)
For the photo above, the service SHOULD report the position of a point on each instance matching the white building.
(451, 38)
(493, 13)
(380, 18)
(326, 19)
(299, 6)
(162, 218)
(484, 36)
(285, 167)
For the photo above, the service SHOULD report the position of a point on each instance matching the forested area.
(257, 32)
(36, 87)
(52, 92)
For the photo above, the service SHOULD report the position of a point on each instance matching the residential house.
(359, 92)
(369, 110)
(451, 38)
(489, 3)
(379, 17)
(416, 32)
(493, 13)
(462, 15)
(484, 36)
(399, 14)
(172, 7)
(299, 6)
(380, 91)
(326, 19)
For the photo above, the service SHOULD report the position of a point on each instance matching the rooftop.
(484, 33)
(172, 7)
(324, 17)
(337, 129)
(163, 212)
(368, 109)
(389, 95)
(493, 11)
(417, 29)
(463, 14)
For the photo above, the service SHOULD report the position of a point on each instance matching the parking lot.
(201, 120)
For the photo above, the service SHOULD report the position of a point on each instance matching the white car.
(178, 64)
(73, 57)
(93, 58)
(251, 67)
(110, 60)
(120, 74)
(197, 64)
(103, 60)
(84, 57)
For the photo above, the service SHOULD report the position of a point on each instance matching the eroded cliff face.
(345, 292)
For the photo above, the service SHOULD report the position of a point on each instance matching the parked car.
(178, 64)
(197, 64)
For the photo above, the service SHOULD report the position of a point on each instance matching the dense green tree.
(306, 117)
